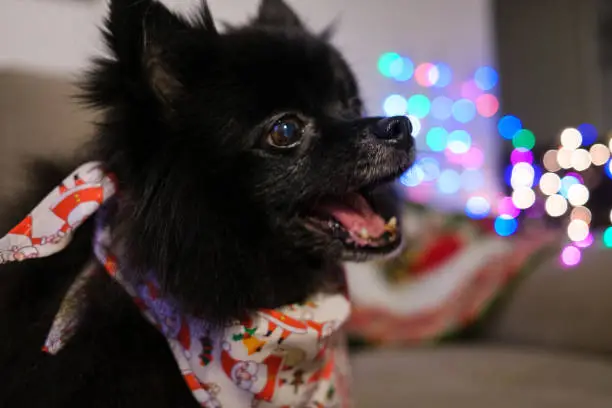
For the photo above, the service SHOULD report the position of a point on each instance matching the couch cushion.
(38, 117)
(561, 308)
(474, 377)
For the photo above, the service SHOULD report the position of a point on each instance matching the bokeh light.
(486, 78)
(505, 225)
(442, 107)
(523, 175)
(416, 125)
(508, 125)
(437, 139)
(550, 184)
(589, 133)
(523, 197)
(402, 70)
(607, 237)
(477, 207)
(550, 161)
(570, 256)
(578, 195)
(453, 158)
(556, 205)
(521, 155)
(473, 159)
(459, 141)
(426, 74)
(575, 175)
(580, 159)
(469, 90)
(487, 105)
(387, 64)
(413, 176)
(587, 242)
(505, 206)
(564, 158)
(464, 110)
(571, 139)
(430, 168)
(566, 183)
(581, 213)
(418, 105)
(524, 138)
(508, 175)
(395, 105)
(577, 230)
(608, 168)
(445, 75)
(600, 154)
(449, 182)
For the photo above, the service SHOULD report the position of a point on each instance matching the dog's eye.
(286, 133)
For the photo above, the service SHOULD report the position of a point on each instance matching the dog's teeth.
(391, 225)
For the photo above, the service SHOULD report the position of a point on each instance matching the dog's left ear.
(139, 32)
(278, 14)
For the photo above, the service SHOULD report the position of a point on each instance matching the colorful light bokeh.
(444, 108)
(571, 256)
(452, 160)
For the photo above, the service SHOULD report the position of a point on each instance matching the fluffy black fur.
(206, 203)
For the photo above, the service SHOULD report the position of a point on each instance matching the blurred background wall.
(58, 37)
(550, 64)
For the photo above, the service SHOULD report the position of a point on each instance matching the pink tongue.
(355, 214)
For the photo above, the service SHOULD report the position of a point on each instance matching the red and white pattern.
(45, 230)
(292, 356)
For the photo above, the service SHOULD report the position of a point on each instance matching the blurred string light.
(565, 186)
(418, 105)
(442, 108)
(486, 78)
(561, 185)
(571, 255)
(477, 207)
(438, 114)
(505, 225)
(557, 188)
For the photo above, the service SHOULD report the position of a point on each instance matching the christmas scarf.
(288, 357)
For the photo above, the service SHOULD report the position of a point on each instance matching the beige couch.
(548, 347)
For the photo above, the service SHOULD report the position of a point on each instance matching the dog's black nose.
(396, 128)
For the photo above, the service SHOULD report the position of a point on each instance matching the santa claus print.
(260, 379)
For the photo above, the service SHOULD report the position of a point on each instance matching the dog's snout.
(393, 129)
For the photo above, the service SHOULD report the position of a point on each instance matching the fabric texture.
(292, 356)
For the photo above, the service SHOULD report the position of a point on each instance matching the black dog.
(246, 172)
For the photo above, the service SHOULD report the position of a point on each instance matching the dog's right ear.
(137, 33)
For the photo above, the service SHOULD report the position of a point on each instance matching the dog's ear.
(277, 13)
(138, 31)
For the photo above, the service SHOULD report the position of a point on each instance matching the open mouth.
(354, 219)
